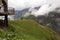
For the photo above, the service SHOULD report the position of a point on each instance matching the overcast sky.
(20, 4)
(45, 8)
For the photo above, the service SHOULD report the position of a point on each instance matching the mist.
(46, 5)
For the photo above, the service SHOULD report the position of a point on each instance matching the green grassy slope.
(26, 30)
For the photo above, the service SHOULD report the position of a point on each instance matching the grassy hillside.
(26, 30)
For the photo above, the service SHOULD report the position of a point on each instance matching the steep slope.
(52, 20)
(26, 30)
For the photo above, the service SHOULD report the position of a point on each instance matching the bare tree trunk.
(6, 11)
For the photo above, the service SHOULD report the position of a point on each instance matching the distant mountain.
(52, 20)
(37, 8)
(20, 13)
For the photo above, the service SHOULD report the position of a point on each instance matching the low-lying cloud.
(45, 9)
(46, 5)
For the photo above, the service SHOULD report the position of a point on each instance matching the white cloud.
(25, 3)
(45, 8)
(15, 3)
(31, 3)
(53, 1)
